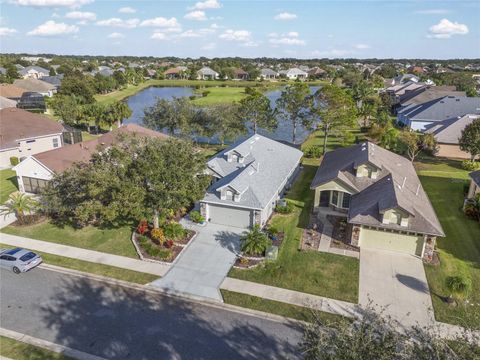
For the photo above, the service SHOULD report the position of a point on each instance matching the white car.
(19, 260)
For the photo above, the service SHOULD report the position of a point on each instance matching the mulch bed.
(248, 265)
(30, 220)
(184, 242)
(279, 239)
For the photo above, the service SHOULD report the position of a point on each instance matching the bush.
(14, 161)
(471, 165)
(255, 241)
(471, 210)
(158, 236)
(459, 285)
(205, 93)
(196, 217)
(174, 230)
(287, 209)
(154, 250)
(142, 227)
(313, 151)
(168, 213)
(273, 231)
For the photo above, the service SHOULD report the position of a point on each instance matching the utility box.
(271, 253)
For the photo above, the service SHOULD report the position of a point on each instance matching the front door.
(324, 198)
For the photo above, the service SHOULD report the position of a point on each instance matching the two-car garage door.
(226, 215)
(374, 239)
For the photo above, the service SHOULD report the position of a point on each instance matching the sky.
(222, 28)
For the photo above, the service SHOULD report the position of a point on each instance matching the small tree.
(255, 242)
(413, 143)
(470, 139)
(175, 115)
(20, 205)
(256, 110)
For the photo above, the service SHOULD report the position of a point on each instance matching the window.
(30, 141)
(335, 197)
(55, 142)
(33, 185)
(346, 200)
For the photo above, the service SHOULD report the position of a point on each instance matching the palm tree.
(21, 205)
(255, 242)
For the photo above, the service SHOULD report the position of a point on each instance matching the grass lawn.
(275, 307)
(460, 250)
(8, 184)
(220, 95)
(18, 350)
(113, 241)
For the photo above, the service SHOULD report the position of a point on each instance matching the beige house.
(474, 188)
(23, 134)
(381, 197)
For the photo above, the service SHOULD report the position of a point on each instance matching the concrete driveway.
(396, 282)
(204, 264)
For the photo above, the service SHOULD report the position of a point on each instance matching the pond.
(147, 97)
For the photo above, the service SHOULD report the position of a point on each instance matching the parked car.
(19, 260)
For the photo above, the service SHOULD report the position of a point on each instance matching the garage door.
(226, 215)
(373, 239)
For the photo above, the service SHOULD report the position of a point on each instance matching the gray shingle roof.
(447, 107)
(268, 72)
(39, 69)
(267, 164)
(475, 176)
(207, 71)
(450, 130)
(396, 186)
(432, 93)
(55, 80)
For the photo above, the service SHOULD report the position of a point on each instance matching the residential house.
(268, 74)
(35, 85)
(23, 134)
(239, 74)
(248, 179)
(447, 134)
(295, 73)
(206, 73)
(417, 117)
(404, 78)
(474, 188)
(381, 197)
(316, 73)
(55, 80)
(151, 73)
(179, 72)
(33, 72)
(11, 92)
(416, 70)
(33, 102)
(7, 103)
(37, 170)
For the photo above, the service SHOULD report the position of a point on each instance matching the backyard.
(8, 184)
(219, 95)
(459, 250)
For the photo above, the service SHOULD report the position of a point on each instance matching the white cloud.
(197, 15)
(361, 46)
(292, 34)
(51, 28)
(287, 41)
(250, 44)
(5, 31)
(445, 29)
(215, 26)
(207, 4)
(115, 35)
(335, 53)
(158, 36)
(432, 12)
(116, 22)
(210, 46)
(127, 10)
(52, 3)
(81, 15)
(285, 16)
(236, 35)
(161, 22)
(196, 33)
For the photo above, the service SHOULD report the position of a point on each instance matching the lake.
(147, 97)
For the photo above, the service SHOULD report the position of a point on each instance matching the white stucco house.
(206, 73)
(248, 179)
(295, 73)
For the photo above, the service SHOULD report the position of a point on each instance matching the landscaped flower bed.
(162, 244)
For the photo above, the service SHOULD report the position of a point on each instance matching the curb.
(47, 345)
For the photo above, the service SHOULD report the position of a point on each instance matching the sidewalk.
(85, 255)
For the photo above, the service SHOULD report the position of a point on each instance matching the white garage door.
(231, 216)
(374, 239)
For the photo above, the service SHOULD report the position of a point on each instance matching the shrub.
(158, 236)
(14, 161)
(471, 210)
(174, 230)
(273, 231)
(169, 243)
(142, 227)
(255, 242)
(168, 213)
(287, 209)
(459, 285)
(195, 216)
(205, 93)
(154, 250)
(471, 165)
(313, 151)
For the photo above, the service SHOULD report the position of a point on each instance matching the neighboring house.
(268, 74)
(316, 73)
(37, 170)
(417, 117)
(206, 73)
(474, 188)
(7, 103)
(33, 72)
(402, 92)
(32, 101)
(295, 73)
(179, 72)
(249, 178)
(151, 73)
(23, 134)
(11, 92)
(401, 79)
(416, 70)
(447, 133)
(55, 80)
(429, 93)
(239, 74)
(382, 197)
(35, 85)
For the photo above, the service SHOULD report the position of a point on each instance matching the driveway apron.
(397, 283)
(204, 264)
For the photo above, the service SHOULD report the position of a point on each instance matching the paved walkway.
(204, 264)
(396, 282)
(85, 255)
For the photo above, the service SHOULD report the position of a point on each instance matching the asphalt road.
(119, 323)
